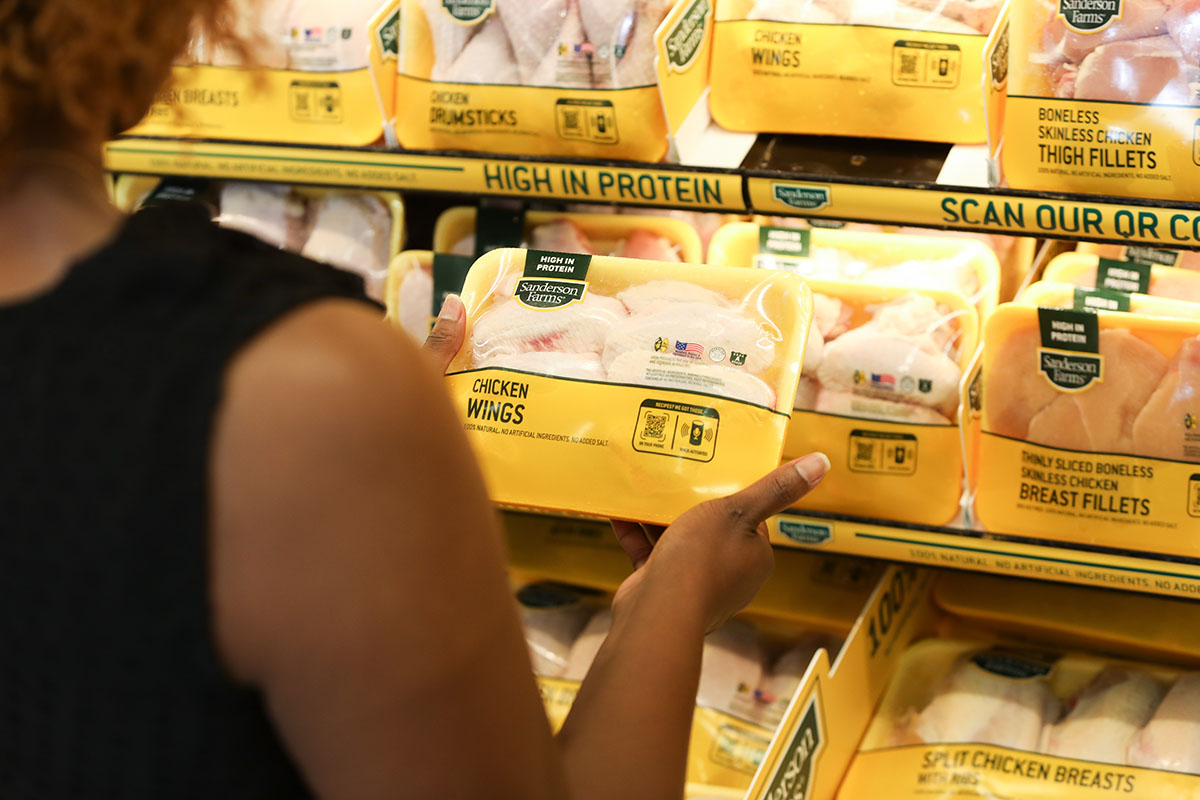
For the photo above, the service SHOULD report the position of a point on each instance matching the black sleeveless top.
(110, 684)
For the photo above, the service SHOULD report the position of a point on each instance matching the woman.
(244, 550)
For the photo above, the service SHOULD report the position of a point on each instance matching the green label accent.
(1123, 276)
(1152, 255)
(468, 10)
(784, 241)
(1100, 300)
(1011, 665)
(1088, 16)
(553, 280)
(545, 595)
(498, 227)
(181, 190)
(684, 40)
(806, 532)
(806, 198)
(828, 224)
(793, 775)
(389, 36)
(1070, 340)
(449, 275)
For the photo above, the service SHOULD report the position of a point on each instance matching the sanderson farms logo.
(1089, 16)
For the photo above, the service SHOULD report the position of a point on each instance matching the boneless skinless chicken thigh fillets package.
(906, 69)
(624, 388)
(568, 77)
(895, 326)
(1103, 98)
(751, 668)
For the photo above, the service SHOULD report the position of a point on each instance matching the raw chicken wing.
(509, 328)
(710, 327)
(582, 366)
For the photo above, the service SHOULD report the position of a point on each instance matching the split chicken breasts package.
(1102, 98)
(1089, 428)
(623, 388)
(881, 381)
(312, 72)
(593, 78)
(904, 69)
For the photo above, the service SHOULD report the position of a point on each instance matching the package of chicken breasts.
(565, 77)
(1089, 428)
(1102, 98)
(313, 72)
(913, 67)
(624, 388)
(969, 719)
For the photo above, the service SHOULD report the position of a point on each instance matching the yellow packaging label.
(888, 765)
(582, 100)
(1163, 256)
(906, 83)
(1089, 429)
(347, 108)
(1066, 295)
(623, 388)
(1122, 120)
(605, 232)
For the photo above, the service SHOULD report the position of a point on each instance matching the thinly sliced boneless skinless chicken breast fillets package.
(623, 388)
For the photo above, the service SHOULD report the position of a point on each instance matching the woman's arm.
(358, 579)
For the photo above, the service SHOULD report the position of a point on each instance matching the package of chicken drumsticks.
(904, 69)
(589, 78)
(1089, 428)
(973, 719)
(1102, 98)
(624, 388)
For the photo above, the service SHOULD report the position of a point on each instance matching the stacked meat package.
(1090, 426)
(895, 325)
(1102, 97)
(749, 673)
(572, 77)
(910, 69)
(624, 388)
(323, 74)
(419, 281)
(1005, 713)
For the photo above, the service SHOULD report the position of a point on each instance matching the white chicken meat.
(267, 211)
(1171, 739)
(731, 668)
(647, 368)
(653, 296)
(415, 303)
(486, 58)
(352, 232)
(533, 28)
(1104, 717)
(707, 326)
(579, 366)
(449, 38)
(509, 328)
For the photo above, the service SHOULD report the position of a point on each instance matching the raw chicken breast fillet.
(1105, 717)
(975, 705)
(508, 328)
(696, 323)
(647, 368)
(1160, 430)
(1171, 739)
(732, 666)
(1012, 398)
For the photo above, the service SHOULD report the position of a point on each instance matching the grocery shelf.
(1016, 556)
(866, 180)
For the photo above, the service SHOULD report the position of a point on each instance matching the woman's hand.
(716, 555)
(446, 338)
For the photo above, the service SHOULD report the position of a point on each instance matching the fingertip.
(812, 468)
(452, 308)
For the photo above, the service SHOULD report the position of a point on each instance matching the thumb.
(444, 341)
(778, 490)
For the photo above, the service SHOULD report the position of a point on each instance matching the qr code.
(571, 120)
(864, 452)
(908, 64)
(656, 426)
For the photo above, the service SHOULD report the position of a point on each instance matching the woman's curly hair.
(90, 68)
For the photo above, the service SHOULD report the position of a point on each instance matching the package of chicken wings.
(1089, 428)
(904, 69)
(623, 388)
(531, 77)
(972, 719)
(1102, 98)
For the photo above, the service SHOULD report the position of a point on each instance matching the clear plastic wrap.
(1096, 272)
